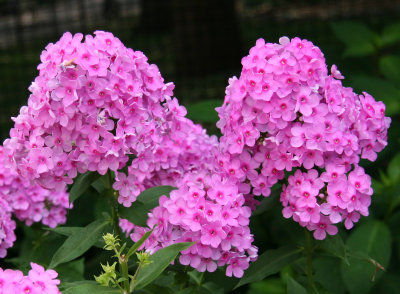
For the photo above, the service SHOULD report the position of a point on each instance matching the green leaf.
(204, 111)
(159, 262)
(78, 243)
(358, 38)
(189, 290)
(147, 200)
(65, 231)
(327, 273)
(382, 90)
(86, 287)
(390, 67)
(152, 288)
(269, 286)
(370, 242)
(136, 214)
(210, 288)
(138, 244)
(294, 287)
(71, 271)
(391, 34)
(81, 184)
(69, 231)
(334, 245)
(270, 262)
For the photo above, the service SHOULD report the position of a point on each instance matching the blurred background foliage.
(198, 45)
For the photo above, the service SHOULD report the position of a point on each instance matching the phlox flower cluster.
(93, 103)
(287, 113)
(28, 202)
(206, 209)
(38, 281)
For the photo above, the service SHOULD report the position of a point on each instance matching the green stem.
(123, 264)
(135, 276)
(124, 270)
(117, 229)
(309, 252)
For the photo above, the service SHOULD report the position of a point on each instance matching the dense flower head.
(206, 209)
(287, 113)
(93, 103)
(28, 202)
(38, 281)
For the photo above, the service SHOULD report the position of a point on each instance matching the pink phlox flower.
(305, 101)
(306, 194)
(322, 227)
(334, 171)
(212, 234)
(360, 181)
(316, 137)
(309, 214)
(350, 219)
(237, 266)
(334, 212)
(311, 158)
(338, 193)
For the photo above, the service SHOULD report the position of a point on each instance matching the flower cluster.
(93, 103)
(286, 113)
(38, 281)
(206, 209)
(28, 202)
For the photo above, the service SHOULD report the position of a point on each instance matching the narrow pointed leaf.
(82, 183)
(69, 231)
(138, 244)
(78, 243)
(270, 262)
(86, 287)
(159, 262)
(65, 231)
